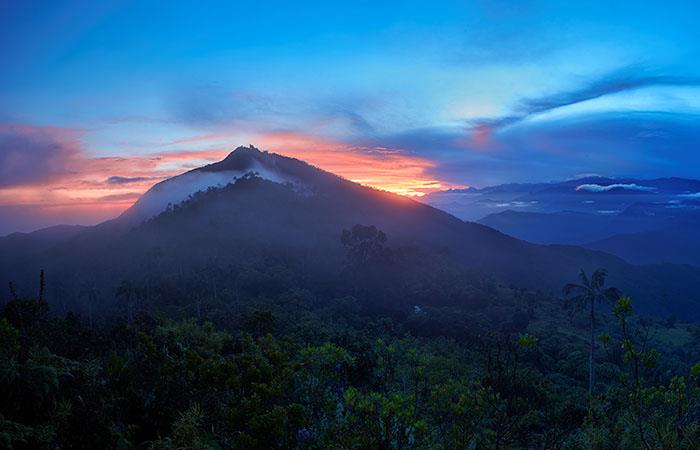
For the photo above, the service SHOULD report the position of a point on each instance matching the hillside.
(257, 205)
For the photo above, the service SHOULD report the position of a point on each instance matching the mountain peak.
(242, 162)
(241, 158)
(241, 150)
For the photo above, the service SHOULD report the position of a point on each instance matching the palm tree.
(586, 294)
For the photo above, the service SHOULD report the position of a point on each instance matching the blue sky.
(465, 93)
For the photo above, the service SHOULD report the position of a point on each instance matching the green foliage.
(623, 308)
(365, 245)
(527, 341)
(655, 415)
(317, 369)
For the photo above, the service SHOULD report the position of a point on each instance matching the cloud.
(128, 197)
(46, 178)
(30, 154)
(215, 106)
(126, 180)
(622, 80)
(427, 141)
(482, 152)
(630, 144)
(381, 167)
(212, 104)
(347, 118)
(610, 187)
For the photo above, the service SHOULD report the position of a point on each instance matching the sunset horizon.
(410, 100)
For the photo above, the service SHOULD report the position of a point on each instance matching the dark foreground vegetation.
(259, 357)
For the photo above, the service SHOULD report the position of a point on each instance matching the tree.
(23, 313)
(367, 259)
(586, 294)
(365, 245)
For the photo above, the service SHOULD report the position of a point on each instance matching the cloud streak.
(126, 180)
(381, 167)
(611, 187)
(215, 107)
(622, 80)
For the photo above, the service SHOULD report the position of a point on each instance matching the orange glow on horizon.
(380, 168)
(87, 191)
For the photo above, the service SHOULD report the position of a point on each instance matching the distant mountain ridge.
(651, 247)
(600, 213)
(573, 195)
(22, 245)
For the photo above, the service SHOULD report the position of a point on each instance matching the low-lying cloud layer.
(611, 187)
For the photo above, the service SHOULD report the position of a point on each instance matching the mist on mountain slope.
(279, 207)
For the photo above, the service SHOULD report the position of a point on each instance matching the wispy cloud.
(612, 187)
(622, 80)
(213, 104)
(634, 144)
(382, 167)
(46, 177)
(126, 180)
(216, 107)
(129, 197)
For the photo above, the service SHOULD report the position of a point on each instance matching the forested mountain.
(256, 204)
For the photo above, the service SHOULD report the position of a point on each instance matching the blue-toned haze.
(100, 100)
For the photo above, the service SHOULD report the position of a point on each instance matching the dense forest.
(401, 349)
